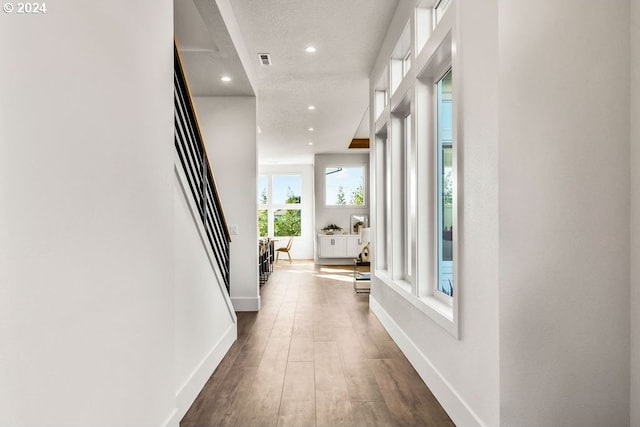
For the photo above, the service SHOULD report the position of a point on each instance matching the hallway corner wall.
(229, 130)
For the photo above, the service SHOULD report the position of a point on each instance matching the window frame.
(410, 215)
(365, 175)
(434, 291)
(406, 63)
(432, 59)
(382, 186)
(435, 62)
(437, 15)
(272, 207)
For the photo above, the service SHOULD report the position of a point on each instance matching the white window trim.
(446, 4)
(365, 182)
(442, 312)
(441, 296)
(381, 214)
(271, 207)
(406, 63)
(410, 216)
(438, 311)
(440, 307)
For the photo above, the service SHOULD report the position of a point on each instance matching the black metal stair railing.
(195, 163)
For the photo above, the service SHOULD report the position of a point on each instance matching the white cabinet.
(353, 246)
(325, 246)
(332, 246)
(338, 246)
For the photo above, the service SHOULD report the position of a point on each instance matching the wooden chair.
(285, 249)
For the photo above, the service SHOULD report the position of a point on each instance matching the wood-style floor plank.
(297, 413)
(314, 356)
(372, 414)
(299, 382)
(301, 349)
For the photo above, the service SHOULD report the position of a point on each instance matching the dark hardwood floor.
(314, 356)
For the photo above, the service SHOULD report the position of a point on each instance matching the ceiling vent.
(265, 59)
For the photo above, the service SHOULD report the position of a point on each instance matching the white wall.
(337, 215)
(545, 221)
(564, 213)
(229, 129)
(86, 275)
(205, 324)
(463, 374)
(303, 245)
(635, 212)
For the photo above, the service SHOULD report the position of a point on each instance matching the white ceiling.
(207, 51)
(347, 35)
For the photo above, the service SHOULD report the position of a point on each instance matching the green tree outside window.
(357, 196)
(287, 223)
(263, 222)
(340, 200)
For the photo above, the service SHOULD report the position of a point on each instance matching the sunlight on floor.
(340, 273)
(336, 277)
(337, 269)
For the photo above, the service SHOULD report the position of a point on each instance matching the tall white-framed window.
(383, 217)
(399, 197)
(416, 170)
(409, 185)
(263, 206)
(444, 191)
(401, 169)
(279, 205)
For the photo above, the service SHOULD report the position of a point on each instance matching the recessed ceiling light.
(311, 107)
(225, 79)
(259, 129)
(311, 129)
(310, 49)
(309, 143)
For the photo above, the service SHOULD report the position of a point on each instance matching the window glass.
(275, 214)
(287, 222)
(263, 184)
(344, 186)
(441, 8)
(406, 63)
(409, 208)
(381, 209)
(445, 185)
(286, 189)
(263, 222)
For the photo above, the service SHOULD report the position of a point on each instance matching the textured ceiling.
(347, 35)
(207, 51)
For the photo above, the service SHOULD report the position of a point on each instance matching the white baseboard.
(246, 303)
(173, 420)
(196, 381)
(461, 414)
